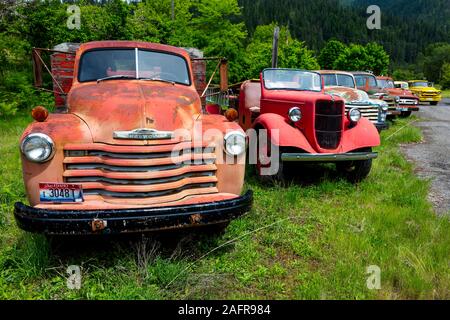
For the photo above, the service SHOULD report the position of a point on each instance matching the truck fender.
(363, 135)
(288, 136)
(62, 129)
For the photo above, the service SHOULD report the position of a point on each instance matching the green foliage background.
(239, 30)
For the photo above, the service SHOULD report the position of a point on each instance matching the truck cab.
(131, 149)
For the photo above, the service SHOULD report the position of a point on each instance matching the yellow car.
(425, 91)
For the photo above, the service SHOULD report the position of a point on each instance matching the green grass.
(446, 93)
(314, 241)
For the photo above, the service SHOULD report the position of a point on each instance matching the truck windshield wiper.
(158, 79)
(118, 76)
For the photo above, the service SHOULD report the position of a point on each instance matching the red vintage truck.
(297, 121)
(129, 148)
(405, 101)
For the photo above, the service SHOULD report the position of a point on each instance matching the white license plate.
(429, 99)
(60, 192)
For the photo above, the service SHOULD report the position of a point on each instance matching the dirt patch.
(432, 156)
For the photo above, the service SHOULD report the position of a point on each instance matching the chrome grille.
(367, 111)
(141, 171)
(328, 123)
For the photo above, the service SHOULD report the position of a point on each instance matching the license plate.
(404, 109)
(60, 192)
(429, 99)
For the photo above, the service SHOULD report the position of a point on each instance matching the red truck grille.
(173, 170)
(328, 123)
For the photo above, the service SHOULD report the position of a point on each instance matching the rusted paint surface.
(348, 94)
(402, 93)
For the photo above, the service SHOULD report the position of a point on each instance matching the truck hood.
(400, 92)
(126, 105)
(348, 94)
(424, 89)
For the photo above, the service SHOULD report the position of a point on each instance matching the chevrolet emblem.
(143, 134)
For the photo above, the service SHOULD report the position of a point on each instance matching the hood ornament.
(143, 134)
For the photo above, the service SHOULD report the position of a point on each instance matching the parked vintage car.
(127, 152)
(405, 100)
(401, 85)
(343, 84)
(305, 124)
(425, 91)
(367, 82)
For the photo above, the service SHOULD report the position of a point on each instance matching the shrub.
(8, 109)
(445, 82)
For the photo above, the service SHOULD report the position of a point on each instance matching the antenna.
(276, 36)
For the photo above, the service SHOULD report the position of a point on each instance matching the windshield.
(386, 84)
(419, 84)
(361, 81)
(341, 80)
(291, 79)
(121, 63)
(401, 85)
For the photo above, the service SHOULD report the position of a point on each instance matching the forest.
(314, 34)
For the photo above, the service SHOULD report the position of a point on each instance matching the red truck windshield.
(291, 79)
(103, 64)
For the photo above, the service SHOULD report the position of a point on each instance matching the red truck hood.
(124, 105)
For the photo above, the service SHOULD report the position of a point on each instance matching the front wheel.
(355, 171)
(405, 114)
(265, 175)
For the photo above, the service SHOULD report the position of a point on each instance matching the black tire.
(433, 103)
(405, 114)
(215, 229)
(355, 171)
(278, 176)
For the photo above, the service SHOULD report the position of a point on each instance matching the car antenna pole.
(276, 36)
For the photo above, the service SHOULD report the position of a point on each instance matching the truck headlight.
(38, 147)
(234, 143)
(354, 115)
(295, 114)
(384, 106)
(397, 99)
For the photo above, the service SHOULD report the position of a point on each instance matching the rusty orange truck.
(129, 148)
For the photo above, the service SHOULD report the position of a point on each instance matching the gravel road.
(432, 157)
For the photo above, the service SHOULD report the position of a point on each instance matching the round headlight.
(235, 143)
(354, 115)
(397, 99)
(295, 114)
(384, 106)
(38, 147)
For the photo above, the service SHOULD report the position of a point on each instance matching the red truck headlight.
(235, 143)
(38, 147)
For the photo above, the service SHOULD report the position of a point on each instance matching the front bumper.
(393, 112)
(407, 108)
(327, 157)
(79, 222)
(430, 99)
